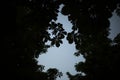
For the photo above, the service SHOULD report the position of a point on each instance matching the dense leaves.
(26, 40)
(90, 19)
(58, 33)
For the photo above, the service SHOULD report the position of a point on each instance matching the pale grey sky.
(114, 25)
(62, 58)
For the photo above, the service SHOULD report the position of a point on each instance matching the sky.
(114, 26)
(63, 57)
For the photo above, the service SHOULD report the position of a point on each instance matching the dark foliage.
(24, 36)
(90, 19)
(25, 33)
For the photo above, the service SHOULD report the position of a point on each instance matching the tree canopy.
(90, 20)
(25, 33)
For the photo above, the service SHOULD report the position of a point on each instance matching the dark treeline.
(24, 35)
